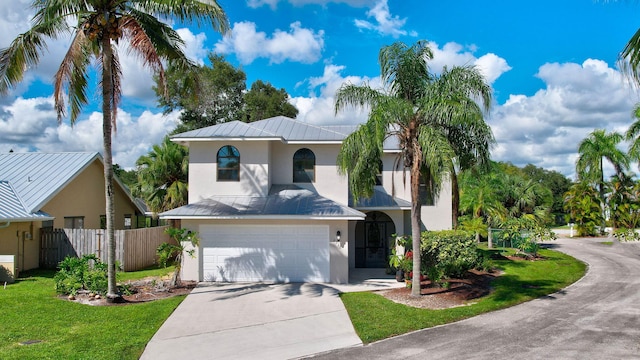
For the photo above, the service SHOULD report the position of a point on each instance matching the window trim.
(232, 151)
(303, 155)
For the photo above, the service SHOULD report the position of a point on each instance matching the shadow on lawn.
(511, 288)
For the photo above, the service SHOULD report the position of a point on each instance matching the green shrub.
(85, 273)
(448, 254)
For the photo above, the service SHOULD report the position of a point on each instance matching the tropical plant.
(97, 27)
(583, 204)
(596, 147)
(448, 253)
(173, 254)
(163, 176)
(422, 111)
(81, 273)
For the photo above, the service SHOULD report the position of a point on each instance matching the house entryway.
(373, 240)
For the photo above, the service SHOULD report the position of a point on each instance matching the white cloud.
(454, 54)
(297, 45)
(545, 129)
(39, 131)
(385, 23)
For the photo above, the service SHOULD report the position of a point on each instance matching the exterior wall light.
(338, 236)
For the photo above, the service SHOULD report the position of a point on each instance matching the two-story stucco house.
(269, 205)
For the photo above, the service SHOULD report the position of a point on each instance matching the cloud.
(545, 129)
(385, 23)
(39, 131)
(297, 45)
(453, 54)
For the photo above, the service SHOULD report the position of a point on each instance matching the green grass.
(375, 318)
(31, 310)
(608, 243)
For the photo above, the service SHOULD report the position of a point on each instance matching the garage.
(272, 253)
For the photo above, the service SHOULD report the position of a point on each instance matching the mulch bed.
(460, 292)
(139, 291)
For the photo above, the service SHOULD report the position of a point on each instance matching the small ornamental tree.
(171, 254)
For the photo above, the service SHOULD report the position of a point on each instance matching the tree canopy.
(97, 26)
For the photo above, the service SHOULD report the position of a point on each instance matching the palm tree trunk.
(602, 200)
(416, 207)
(107, 96)
(455, 198)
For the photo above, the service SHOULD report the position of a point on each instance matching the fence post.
(490, 239)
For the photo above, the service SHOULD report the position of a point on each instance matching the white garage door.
(280, 253)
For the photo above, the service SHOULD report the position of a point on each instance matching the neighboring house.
(269, 205)
(54, 190)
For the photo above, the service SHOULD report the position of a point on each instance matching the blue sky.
(552, 65)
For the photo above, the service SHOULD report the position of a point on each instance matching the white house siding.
(254, 169)
(338, 254)
(328, 182)
(434, 217)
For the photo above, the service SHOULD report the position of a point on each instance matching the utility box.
(7, 268)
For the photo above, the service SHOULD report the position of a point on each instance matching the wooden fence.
(135, 249)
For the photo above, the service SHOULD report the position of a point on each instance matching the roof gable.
(38, 177)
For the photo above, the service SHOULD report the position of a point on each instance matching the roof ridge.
(321, 127)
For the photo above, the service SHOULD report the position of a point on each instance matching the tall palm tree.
(424, 112)
(592, 150)
(163, 176)
(97, 26)
(633, 135)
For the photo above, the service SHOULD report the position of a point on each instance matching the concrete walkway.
(260, 321)
(598, 317)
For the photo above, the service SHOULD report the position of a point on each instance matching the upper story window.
(228, 163)
(304, 165)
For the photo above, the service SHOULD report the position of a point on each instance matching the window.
(228, 164)
(304, 164)
(47, 224)
(103, 222)
(127, 221)
(74, 222)
(379, 174)
(426, 192)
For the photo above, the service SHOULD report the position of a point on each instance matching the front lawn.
(375, 317)
(60, 329)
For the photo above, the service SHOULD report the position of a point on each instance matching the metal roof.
(12, 208)
(38, 177)
(279, 127)
(380, 200)
(283, 202)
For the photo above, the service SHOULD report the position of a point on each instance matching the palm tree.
(162, 176)
(633, 135)
(422, 111)
(97, 26)
(592, 151)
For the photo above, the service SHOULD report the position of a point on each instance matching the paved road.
(596, 318)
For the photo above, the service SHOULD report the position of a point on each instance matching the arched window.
(304, 165)
(228, 163)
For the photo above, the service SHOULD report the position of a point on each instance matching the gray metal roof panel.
(380, 200)
(12, 208)
(280, 126)
(37, 177)
(283, 200)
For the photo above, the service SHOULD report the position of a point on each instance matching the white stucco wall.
(328, 182)
(434, 217)
(254, 169)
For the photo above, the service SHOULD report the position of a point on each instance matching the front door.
(373, 240)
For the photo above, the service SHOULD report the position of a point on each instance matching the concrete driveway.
(258, 321)
(596, 318)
